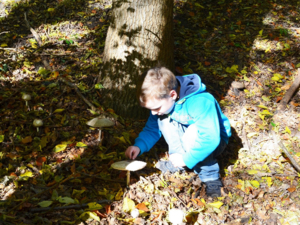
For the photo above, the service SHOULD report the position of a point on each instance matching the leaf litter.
(64, 166)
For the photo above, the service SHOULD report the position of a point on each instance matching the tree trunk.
(140, 36)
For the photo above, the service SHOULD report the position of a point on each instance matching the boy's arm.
(149, 135)
(203, 137)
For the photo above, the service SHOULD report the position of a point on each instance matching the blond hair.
(156, 83)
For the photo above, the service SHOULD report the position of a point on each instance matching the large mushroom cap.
(100, 122)
(131, 165)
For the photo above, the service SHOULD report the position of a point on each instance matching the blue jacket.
(195, 106)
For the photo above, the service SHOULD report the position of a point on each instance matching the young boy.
(191, 121)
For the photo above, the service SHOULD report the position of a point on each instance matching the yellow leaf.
(266, 112)
(119, 195)
(58, 110)
(241, 185)
(59, 148)
(287, 130)
(255, 183)
(230, 195)
(265, 98)
(251, 172)
(55, 74)
(263, 107)
(6, 12)
(123, 140)
(246, 78)
(3, 45)
(256, 167)
(216, 204)
(269, 180)
(27, 174)
(250, 135)
(128, 205)
(94, 206)
(265, 167)
(261, 32)
(203, 200)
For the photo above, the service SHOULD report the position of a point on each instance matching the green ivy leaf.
(66, 200)
(44, 204)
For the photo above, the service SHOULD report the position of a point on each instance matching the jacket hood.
(190, 85)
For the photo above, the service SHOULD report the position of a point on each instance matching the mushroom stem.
(37, 129)
(128, 178)
(26, 103)
(99, 138)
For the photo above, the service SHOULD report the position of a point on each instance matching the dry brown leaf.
(142, 206)
(40, 161)
(291, 189)
(27, 139)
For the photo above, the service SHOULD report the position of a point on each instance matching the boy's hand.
(177, 160)
(132, 152)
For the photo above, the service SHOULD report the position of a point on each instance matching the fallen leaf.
(142, 206)
(206, 63)
(291, 189)
(40, 161)
(27, 139)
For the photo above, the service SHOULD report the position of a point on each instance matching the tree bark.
(140, 36)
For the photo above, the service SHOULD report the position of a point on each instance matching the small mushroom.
(176, 216)
(100, 123)
(26, 98)
(38, 123)
(129, 165)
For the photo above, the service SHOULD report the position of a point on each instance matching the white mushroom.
(100, 123)
(176, 216)
(129, 165)
(38, 123)
(26, 98)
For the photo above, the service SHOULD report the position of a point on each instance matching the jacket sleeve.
(149, 135)
(205, 136)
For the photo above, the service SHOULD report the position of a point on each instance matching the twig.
(79, 206)
(289, 93)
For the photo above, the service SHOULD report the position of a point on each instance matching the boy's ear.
(173, 94)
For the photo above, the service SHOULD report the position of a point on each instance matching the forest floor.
(61, 174)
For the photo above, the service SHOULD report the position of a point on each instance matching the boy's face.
(161, 106)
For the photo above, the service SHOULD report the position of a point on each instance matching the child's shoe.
(165, 166)
(213, 188)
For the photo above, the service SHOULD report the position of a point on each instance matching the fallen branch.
(36, 195)
(289, 93)
(293, 161)
(80, 95)
(79, 206)
(286, 152)
(39, 41)
(101, 178)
